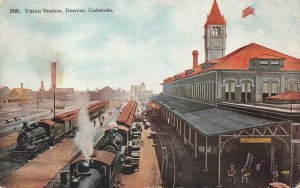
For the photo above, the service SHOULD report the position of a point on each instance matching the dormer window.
(273, 62)
(263, 62)
(266, 62)
(190, 71)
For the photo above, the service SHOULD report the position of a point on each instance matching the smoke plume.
(86, 133)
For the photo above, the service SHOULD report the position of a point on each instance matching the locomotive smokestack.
(53, 75)
(195, 54)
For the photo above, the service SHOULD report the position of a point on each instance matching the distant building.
(19, 95)
(64, 94)
(107, 93)
(139, 93)
(3, 94)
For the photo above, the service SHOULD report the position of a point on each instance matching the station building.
(218, 108)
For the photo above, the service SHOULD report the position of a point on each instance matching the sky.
(140, 41)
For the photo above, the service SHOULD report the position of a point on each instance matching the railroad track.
(168, 164)
(7, 166)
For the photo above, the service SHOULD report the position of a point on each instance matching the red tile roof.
(127, 115)
(286, 96)
(239, 60)
(215, 17)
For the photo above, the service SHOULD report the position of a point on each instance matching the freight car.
(37, 137)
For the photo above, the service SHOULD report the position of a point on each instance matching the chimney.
(195, 58)
(21, 85)
(53, 75)
(42, 85)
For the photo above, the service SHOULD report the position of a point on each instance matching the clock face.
(216, 43)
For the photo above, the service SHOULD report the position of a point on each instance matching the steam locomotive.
(103, 168)
(37, 137)
(115, 153)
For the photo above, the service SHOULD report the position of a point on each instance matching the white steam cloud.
(86, 133)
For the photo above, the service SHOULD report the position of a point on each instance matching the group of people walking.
(101, 120)
(245, 174)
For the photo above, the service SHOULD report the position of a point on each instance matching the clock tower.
(215, 34)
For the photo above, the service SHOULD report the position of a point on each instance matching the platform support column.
(190, 132)
(196, 146)
(291, 153)
(205, 157)
(180, 124)
(219, 162)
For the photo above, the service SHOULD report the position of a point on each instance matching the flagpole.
(254, 19)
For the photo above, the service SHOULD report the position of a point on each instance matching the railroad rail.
(168, 163)
(7, 166)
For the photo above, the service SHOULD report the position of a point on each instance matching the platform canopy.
(289, 96)
(210, 120)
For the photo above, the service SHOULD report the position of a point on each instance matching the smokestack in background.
(21, 85)
(42, 85)
(53, 75)
(195, 54)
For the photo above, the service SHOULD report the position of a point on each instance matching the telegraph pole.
(37, 100)
(53, 100)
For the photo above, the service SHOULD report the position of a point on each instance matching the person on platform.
(245, 174)
(275, 174)
(231, 174)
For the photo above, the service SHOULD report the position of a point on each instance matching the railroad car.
(37, 137)
(95, 110)
(126, 117)
(152, 110)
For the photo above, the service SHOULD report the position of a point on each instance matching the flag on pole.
(247, 11)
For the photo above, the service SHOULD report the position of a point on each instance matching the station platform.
(149, 173)
(8, 140)
(39, 171)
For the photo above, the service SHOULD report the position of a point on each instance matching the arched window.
(292, 86)
(230, 90)
(246, 91)
(269, 89)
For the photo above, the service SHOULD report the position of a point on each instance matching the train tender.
(95, 110)
(102, 169)
(37, 137)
